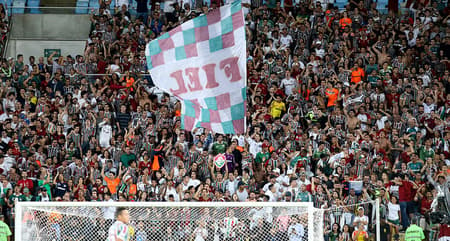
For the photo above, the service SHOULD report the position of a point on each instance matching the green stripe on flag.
(189, 108)
(205, 116)
(235, 7)
(189, 36)
(227, 25)
(228, 127)
(237, 111)
(180, 53)
(154, 47)
(182, 122)
(215, 44)
(164, 36)
(244, 93)
(200, 21)
(211, 103)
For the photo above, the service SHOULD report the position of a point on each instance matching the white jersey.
(105, 135)
(118, 230)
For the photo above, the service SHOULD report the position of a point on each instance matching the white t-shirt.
(428, 108)
(105, 135)
(254, 147)
(231, 186)
(289, 85)
(118, 230)
(363, 218)
(285, 40)
(393, 210)
(381, 122)
(271, 195)
(242, 195)
(363, 118)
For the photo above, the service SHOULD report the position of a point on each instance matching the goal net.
(155, 221)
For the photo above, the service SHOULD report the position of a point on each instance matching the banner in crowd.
(202, 62)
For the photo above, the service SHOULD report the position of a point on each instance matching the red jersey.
(27, 183)
(405, 192)
(143, 165)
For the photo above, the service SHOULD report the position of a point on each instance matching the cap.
(265, 145)
(361, 208)
(289, 172)
(277, 170)
(26, 190)
(288, 194)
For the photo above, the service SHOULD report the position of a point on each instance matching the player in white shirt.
(119, 231)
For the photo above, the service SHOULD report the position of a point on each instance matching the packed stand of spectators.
(335, 97)
(4, 27)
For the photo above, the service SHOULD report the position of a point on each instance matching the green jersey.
(15, 198)
(4, 231)
(26, 198)
(414, 233)
(303, 197)
(424, 153)
(303, 160)
(218, 148)
(46, 186)
(127, 158)
(262, 157)
(415, 167)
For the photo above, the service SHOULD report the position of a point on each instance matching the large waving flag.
(203, 63)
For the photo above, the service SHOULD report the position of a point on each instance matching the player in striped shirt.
(119, 230)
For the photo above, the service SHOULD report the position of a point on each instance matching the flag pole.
(245, 76)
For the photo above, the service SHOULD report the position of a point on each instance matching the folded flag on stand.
(202, 63)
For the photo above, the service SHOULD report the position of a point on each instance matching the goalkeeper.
(119, 230)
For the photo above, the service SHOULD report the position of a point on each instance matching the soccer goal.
(155, 221)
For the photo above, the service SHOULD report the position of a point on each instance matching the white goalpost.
(170, 220)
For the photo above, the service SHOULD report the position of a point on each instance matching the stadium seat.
(94, 4)
(382, 6)
(34, 6)
(82, 7)
(18, 7)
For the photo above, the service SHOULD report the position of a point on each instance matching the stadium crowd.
(345, 106)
